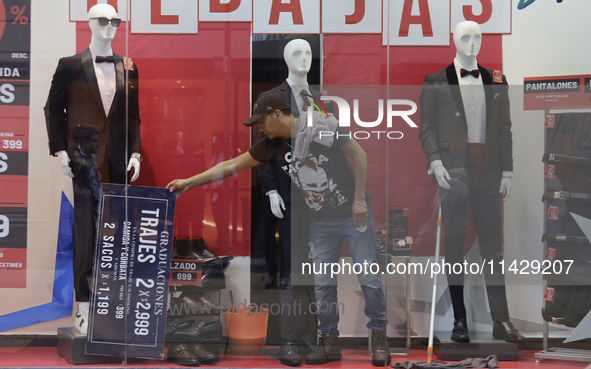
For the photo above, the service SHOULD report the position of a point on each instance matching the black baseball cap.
(264, 105)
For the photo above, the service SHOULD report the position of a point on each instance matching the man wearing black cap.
(335, 193)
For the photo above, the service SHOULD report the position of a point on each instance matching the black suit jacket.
(271, 175)
(74, 99)
(444, 130)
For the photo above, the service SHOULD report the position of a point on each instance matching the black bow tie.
(105, 59)
(475, 73)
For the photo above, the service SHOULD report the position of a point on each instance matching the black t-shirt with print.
(325, 176)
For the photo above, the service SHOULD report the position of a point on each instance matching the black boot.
(327, 350)
(288, 354)
(379, 346)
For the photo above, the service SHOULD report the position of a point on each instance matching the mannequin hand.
(276, 204)
(505, 188)
(65, 162)
(135, 164)
(442, 176)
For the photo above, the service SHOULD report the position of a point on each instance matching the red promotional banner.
(14, 140)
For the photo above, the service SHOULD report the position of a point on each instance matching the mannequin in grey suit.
(466, 135)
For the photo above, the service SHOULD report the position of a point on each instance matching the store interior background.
(202, 100)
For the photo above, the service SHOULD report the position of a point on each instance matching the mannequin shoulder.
(69, 63)
(437, 77)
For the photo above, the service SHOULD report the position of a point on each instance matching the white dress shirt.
(472, 91)
(105, 77)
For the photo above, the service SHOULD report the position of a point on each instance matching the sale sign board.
(131, 272)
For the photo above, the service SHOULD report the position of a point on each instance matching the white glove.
(505, 188)
(442, 176)
(65, 162)
(276, 204)
(135, 164)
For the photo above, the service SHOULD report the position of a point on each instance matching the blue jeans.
(326, 242)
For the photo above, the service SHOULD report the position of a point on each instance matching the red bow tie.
(105, 59)
(475, 73)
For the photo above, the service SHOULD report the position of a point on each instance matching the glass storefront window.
(193, 234)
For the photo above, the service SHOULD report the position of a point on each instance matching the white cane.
(434, 297)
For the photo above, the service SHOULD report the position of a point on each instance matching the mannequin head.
(298, 57)
(102, 34)
(467, 38)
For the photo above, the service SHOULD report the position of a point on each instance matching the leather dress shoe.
(199, 331)
(205, 302)
(202, 354)
(183, 355)
(199, 246)
(506, 332)
(288, 354)
(460, 331)
(178, 324)
(271, 284)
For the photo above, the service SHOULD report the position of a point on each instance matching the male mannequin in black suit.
(466, 134)
(276, 184)
(87, 92)
(89, 89)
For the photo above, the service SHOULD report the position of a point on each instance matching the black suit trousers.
(486, 215)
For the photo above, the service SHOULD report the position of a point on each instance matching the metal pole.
(434, 296)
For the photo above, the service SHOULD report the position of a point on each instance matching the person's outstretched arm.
(217, 172)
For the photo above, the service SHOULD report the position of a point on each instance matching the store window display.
(343, 204)
(466, 135)
(91, 88)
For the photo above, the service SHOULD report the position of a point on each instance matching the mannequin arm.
(56, 118)
(428, 133)
(219, 171)
(505, 138)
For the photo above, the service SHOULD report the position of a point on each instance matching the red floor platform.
(47, 357)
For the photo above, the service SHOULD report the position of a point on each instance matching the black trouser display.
(568, 186)
(486, 215)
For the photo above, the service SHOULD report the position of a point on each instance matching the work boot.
(288, 354)
(379, 345)
(327, 350)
